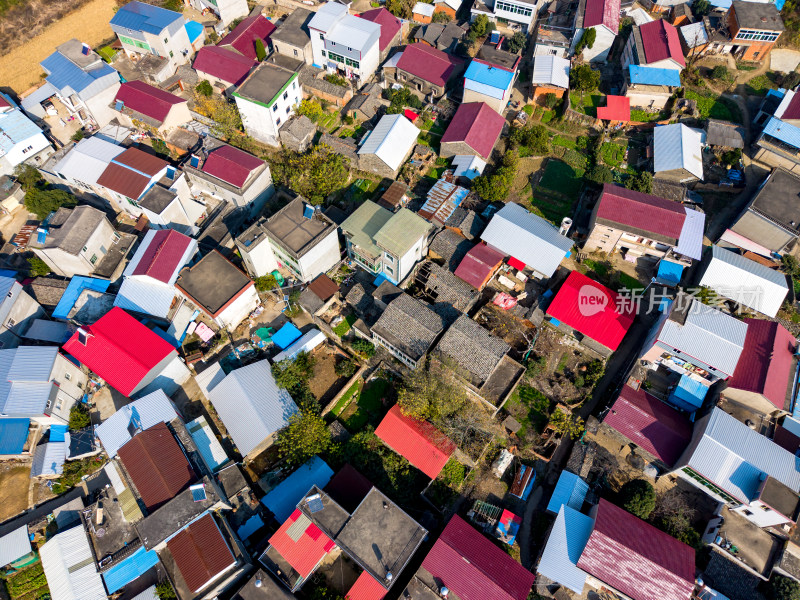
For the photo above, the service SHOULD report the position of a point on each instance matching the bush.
(345, 368)
(587, 40)
(343, 327)
(641, 182)
(266, 283)
(204, 89)
(79, 416)
(441, 17)
(305, 436)
(78, 136)
(336, 79)
(364, 347)
(37, 267)
(600, 174)
(261, 52)
(638, 497)
(583, 78)
(720, 72)
(550, 100)
(42, 201)
(160, 146)
(783, 588)
(517, 42)
(164, 591)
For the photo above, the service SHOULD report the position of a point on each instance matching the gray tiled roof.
(451, 247)
(450, 289)
(473, 348)
(468, 221)
(410, 325)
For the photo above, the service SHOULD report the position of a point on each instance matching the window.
(295, 52)
(67, 376)
(278, 121)
(288, 108)
(85, 249)
(294, 85)
(285, 95)
(10, 323)
(170, 53)
(166, 40)
(513, 8)
(275, 107)
(351, 63)
(93, 259)
(321, 36)
(323, 54)
(335, 57)
(59, 404)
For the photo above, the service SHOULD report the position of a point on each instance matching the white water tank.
(566, 223)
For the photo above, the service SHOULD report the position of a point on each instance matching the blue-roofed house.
(650, 87)
(147, 29)
(129, 569)
(283, 498)
(570, 490)
(80, 80)
(779, 143)
(567, 540)
(211, 451)
(21, 141)
(490, 83)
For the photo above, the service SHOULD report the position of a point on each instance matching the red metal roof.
(479, 264)
(231, 165)
(4, 103)
(602, 12)
(636, 558)
(765, 366)
(200, 552)
(473, 568)
(243, 37)
(660, 41)
(156, 465)
(476, 124)
(390, 25)
(660, 429)
(120, 350)
(366, 588)
(305, 553)
(793, 110)
(642, 211)
(419, 442)
(224, 64)
(591, 309)
(147, 100)
(163, 255)
(141, 161)
(617, 108)
(123, 181)
(428, 63)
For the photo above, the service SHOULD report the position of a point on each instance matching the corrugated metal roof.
(733, 457)
(161, 256)
(13, 435)
(708, 335)
(251, 405)
(305, 343)
(522, 235)
(783, 131)
(328, 14)
(694, 34)
(207, 444)
(570, 490)
(68, 77)
(69, 566)
(363, 224)
(366, 587)
(28, 398)
(304, 546)
(139, 16)
(403, 229)
(677, 146)
(352, 32)
(654, 76)
(283, 498)
(745, 281)
(130, 569)
(14, 545)
(32, 363)
(87, 160)
(490, 75)
(468, 166)
(148, 410)
(690, 242)
(565, 544)
(201, 553)
(145, 296)
(392, 139)
(75, 288)
(16, 128)
(208, 379)
(550, 69)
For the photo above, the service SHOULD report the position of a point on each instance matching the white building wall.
(22, 151)
(258, 121)
(602, 44)
(238, 310)
(101, 105)
(524, 20)
(415, 254)
(17, 311)
(259, 191)
(143, 388)
(321, 257)
(260, 260)
(761, 515)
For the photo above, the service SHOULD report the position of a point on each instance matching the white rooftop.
(392, 139)
(677, 146)
(552, 70)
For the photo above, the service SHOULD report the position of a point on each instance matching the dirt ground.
(325, 383)
(19, 68)
(14, 481)
(504, 325)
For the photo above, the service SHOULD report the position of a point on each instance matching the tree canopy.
(584, 78)
(587, 40)
(315, 174)
(42, 201)
(495, 187)
(638, 497)
(783, 588)
(305, 436)
(640, 182)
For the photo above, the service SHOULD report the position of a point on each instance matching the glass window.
(166, 40)
(278, 121)
(321, 36)
(274, 107)
(288, 108)
(285, 95)
(170, 53)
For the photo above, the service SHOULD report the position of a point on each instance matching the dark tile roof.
(409, 325)
(724, 133)
(449, 289)
(71, 228)
(729, 578)
(451, 246)
(213, 282)
(47, 292)
(473, 348)
(467, 221)
(293, 29)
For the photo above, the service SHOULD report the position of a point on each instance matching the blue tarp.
(670, 271)
(285, 336)
(283, 499)
(194, 30)
(570, 490)
(57, 433)
(488, 75)
(76, 285)
(689, 394)
(8, 273)
(380, 279)
(249, 527)
(508, 527)
(130, 569)
(13, 434)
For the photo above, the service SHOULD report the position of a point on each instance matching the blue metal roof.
(130, 569)
(144, 17)
(689, 394)
(76, 285)
(568, 538)
(283, 499)
(670, 271)
(63, 73)
(13, 434)
(286, 335)
(783, 131)
(653, 76)
(15, 128)
(194, 30)
(250, 526)
(489, 75)
(57, 433)
(570, 490)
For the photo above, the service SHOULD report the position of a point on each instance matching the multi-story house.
(146, 29)
(344, 42)
(129, 175)
(267, 99)
(17, 311)
(489, 82)
(20, 140)
(603, 17)
(386, 243)
(754, 28)
(227, 10)
(426, 71)
(82, 81)
(516, 14)
(298, 238)
(292, 38)
(655, 44)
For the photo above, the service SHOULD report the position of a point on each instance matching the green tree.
(441, 17)
(550, 100)
(261, 52)
(78, 135)
(79, 416)
(495, 187)
(160, 146)
(363, 347)
(641, 182)
(479, 27)
(400, 8)
(204, 89)
(266, 282)
(587, 40)
(790, 80)
(164, 590)
(37, 267)
(304, 436)
(345, 368)
(227, 121)
(700, 8)
(311, 109)
(290, 374)
(42, 202)
(315, 174)
(567, 424)
(28, 176)
(720, 72)
(584, 78)
(431, 394)
(783, 588)
(517, 42)
(600, 174)
(638, 497)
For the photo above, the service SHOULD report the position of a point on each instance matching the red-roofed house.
(139, 101)
(129, 176)
(592, 312)
(243, 37)
(763, 376)
(469, 565)
(474, 130)
(479, 265)
(603, 17)
(127, 355)
(427, 71)
(232, 175)
(366, 587)
(390, 29)
(201, 554)
(419, 442)
(654, 426)
(616, 110)
(655, 44)
(636, 559)
(221, 67)
(296, 549)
